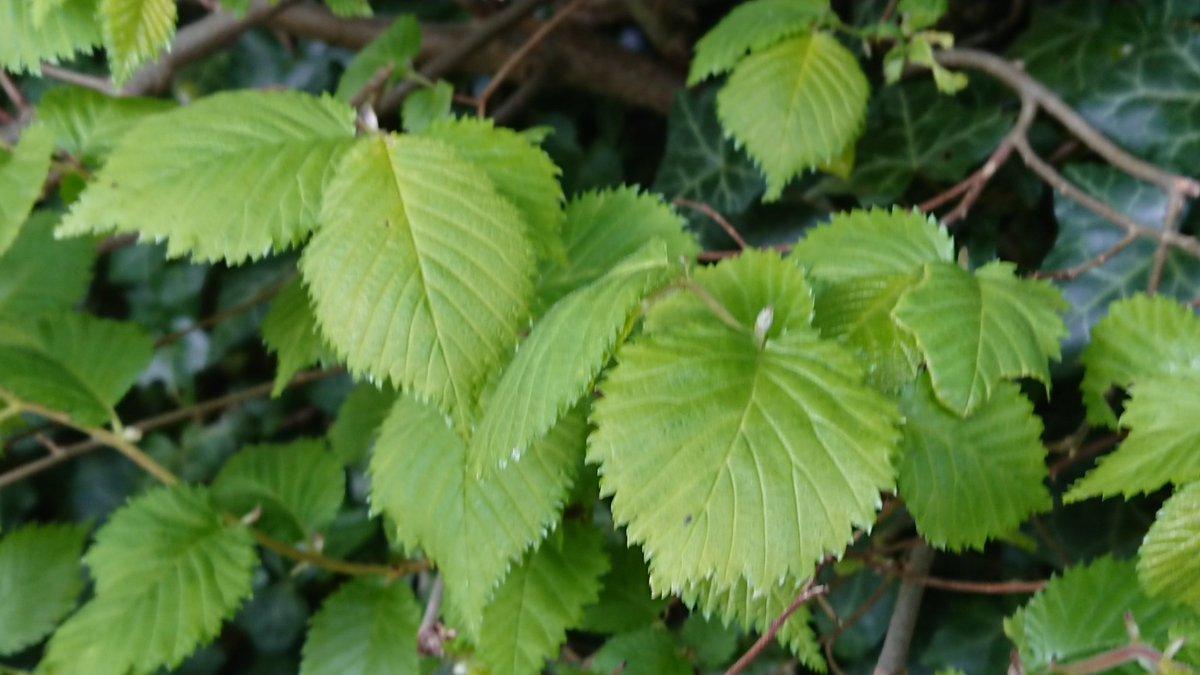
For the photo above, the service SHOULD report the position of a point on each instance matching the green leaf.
(858, 314)
(22, 173)
(794, 106)
(1082, 613)
(290, 331)
(522, 173)
(1140, 337)
(1162, 444)
(702, 165)
(185, 175)
(349, 8)
(540, 599)
(775, 449)
(135, 32)
(711, 643)
(872, 243)
(40, 275)
(88, 124)
(625, 600)
(421, 271)
(949, 465)
(397, 46)
(560, 360)
(40, 580)
(918, 14)
(298, 485)
(426, 105)
(357, 424)
(168, 571)
(1069, 47)
(600, 229)
(978, 330)
(368, 627)
(471, 528)
(751, 27)
(1169, 559)
(26, 43)
(650, 650)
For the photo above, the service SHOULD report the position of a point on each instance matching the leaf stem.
(807, 593)
(333, 564)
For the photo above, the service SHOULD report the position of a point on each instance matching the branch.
(1078, 270)
(333, 564)
(100, 84)
(807, 593)
(716, 217)
(208, 322)
(534, 40)
(894, 655)
(975, 587)
(429, 638)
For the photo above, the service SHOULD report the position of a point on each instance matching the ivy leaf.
(540, 599)
(367, 627)
(421, 271)
(1169, 559)
(185, 174)
(40, 580)
(89, 124)
(471, 528)
(1141, 337)
(776, 449)
(794, 106)
(135, 32)
(1082, 613)
(22, 173)
(26, 42)
(859, 314)
(1067, 47)
(949, 465)
(397, 46)
(168, 570)
(900, 242)
(559, 361)
(649, 650)
(750, 27)
(40, 275)
(977, 330)
(299, 486)
(625, 600)
(357, 424)
(1162, 442)
(290, 331)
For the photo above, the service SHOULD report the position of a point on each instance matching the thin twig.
(716, 217)
(1113, 659)
(1170, 224)
(862, 611)
(257, 299)
(371, 89)
(100, 84)
(1075, 272)
(807, 593)
(13, 92)
(333, 564)
(1086, 452)
(534, 40)
(894, 656)
(974, 587)
(429, 639)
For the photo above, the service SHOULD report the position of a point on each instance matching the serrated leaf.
(40, 580)
(1163, 445)
(290, 331)
(368, 627)
(978, 330)
(89, 124)
(776, 448)
(1082, 613)
(625, 600)
(872, 243)
(397, 46)
(22, 173)
(185, 174)
(25, 42)
(564, 353)
(858, 314)
(602, 228)
(1141, 337)
(794, 106)
(540, 599)
(522, 173)
(426, 105)
(650, 650)
(1169, 559)
(168, 570)
(357, 424)
(750, 27)
(298, 486)
(39, 275)
(471, 528)
(135, 32)
(949, 464)
(420, 273)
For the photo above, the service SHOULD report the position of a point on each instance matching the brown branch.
(807, 593)
(955, 585)
(1170, 224)
(13, 92)
(429, 638)
(1075, 272)
(512, 61)
(894, 655)
(100, 84)
(716, 217)
(333, 564)
(1111, 660)
(208, 322)
(1086, 452)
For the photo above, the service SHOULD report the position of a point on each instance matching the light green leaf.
(41, 9)
(40, 580)
(522, 173)
(1141, 337)
(39, 275)
(1163, 445)
(1082, 613)
(750, 27)
(290, 332)
(540, 599)
(397, 46)
(858, 314)
(794, 106)
(89, 124)
(650, 650)
(368, 627)
(978, 330)
(918, 14)
(298, 485)
(776, 448)
(559, 361)
(349, 8)
(420, 273)
(601, 229)
(185, 175)
(625, 600)
(426, 105)
(471, 528)
(1169, 559)
(949, 467)
(168, 571)
(872, 243)
(26, 43)
(357, 424)
(22, 173)
(135, 32)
